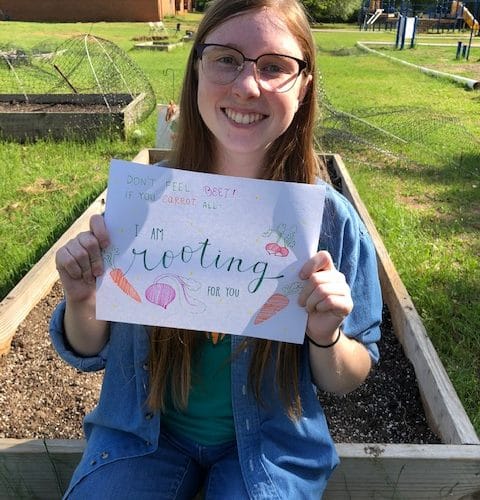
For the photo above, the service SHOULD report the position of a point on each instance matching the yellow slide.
(471, 22)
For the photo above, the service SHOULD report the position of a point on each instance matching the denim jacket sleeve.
(60, 343)
(345, 236)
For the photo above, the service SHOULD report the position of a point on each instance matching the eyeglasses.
(273, 72)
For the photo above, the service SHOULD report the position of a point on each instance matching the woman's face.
(243, 117)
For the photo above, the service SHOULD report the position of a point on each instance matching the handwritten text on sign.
(207, 252)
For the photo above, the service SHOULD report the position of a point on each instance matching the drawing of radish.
(274, 304)
(276, 249)
(119, 278)
(287, 238)
(160, 294)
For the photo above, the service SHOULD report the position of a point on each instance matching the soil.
(25, 107)
(43, 397)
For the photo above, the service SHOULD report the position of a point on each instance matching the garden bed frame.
(22, 126)
(31, 468)
(158, 45)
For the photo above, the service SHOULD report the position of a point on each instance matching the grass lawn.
(417, 170)
(425, 198)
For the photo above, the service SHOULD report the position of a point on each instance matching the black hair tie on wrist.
(327, 345)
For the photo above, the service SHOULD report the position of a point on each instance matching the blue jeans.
(177, 470)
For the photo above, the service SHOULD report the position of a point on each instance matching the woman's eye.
(272, 68)
(276, 65)
(228, 60)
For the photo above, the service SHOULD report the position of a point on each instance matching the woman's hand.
(80, 261)
(342, 367)
(326, 297)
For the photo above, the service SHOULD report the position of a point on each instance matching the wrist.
(325, 345)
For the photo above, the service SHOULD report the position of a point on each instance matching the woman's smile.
(242, 118)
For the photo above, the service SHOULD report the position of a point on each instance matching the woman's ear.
(303, 89)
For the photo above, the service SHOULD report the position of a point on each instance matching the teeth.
(243, 119)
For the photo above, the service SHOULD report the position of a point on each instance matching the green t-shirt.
(208, 418)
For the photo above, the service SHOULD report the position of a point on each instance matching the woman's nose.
(246, 82)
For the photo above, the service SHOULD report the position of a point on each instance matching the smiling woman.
(246, 101)
(248, 110)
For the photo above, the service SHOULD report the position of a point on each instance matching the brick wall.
(88, 10)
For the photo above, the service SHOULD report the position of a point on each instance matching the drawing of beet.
(160, 294)
(274, 304)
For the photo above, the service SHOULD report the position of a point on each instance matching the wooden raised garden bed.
(42, 468)
(158, 45)
(60, 116)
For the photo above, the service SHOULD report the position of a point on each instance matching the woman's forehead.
(263, 30)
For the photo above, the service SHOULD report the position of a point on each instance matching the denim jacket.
(280, 459)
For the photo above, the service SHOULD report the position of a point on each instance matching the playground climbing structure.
(439, 15)
(460, 11)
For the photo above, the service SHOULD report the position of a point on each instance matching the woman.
(240, 418)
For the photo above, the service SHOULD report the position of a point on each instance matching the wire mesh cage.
(382, 135)
(82, 65)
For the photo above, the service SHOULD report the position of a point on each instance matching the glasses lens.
(277, 73)
(274, 72)
(221, 64)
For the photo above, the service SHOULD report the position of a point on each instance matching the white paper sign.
(207, 252)
(166, 125)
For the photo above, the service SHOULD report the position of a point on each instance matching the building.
(92, 10)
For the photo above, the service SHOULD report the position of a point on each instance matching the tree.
(332, 10)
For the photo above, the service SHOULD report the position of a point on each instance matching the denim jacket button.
(145, 366)
(104, 455)
(93, 462)
(149, 416)
(148, 443)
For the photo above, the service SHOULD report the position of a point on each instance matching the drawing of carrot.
(215, 337)
(121, 281)
(272, 306)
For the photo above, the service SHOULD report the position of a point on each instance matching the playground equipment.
(460, 11)
(383, 13)
(439, 15)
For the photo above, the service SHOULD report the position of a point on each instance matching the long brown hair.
(290, 158)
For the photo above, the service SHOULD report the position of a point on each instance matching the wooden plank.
(404, 471)
(132, 112)
(38, 282)
(150, 156)
(113, 99)
(443, 408)
(60, 125)
(366, 471)
(74, 124)
(142, 156)
(26, 471)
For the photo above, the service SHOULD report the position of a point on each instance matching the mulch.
(43, 397)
